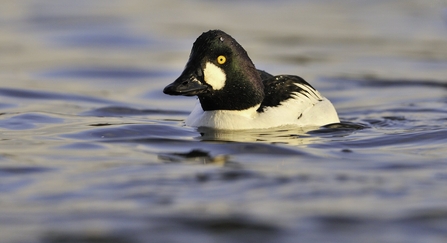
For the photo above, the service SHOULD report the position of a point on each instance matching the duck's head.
(220, 73)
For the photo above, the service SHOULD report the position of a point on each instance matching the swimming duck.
(233, 94)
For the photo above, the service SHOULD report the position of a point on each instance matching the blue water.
(91, 150)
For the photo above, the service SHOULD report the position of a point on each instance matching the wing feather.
(278, 89)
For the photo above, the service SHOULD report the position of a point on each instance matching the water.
(92, 151)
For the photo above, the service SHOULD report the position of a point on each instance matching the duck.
(234, 95)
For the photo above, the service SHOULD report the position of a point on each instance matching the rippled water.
(92, 151)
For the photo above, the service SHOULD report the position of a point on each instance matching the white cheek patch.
(214, 76)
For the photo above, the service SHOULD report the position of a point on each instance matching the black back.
(280, 88)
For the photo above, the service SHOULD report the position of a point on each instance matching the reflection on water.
(281, 135)
(286, 135)
(91, 150)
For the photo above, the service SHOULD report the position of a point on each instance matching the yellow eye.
(221, 59)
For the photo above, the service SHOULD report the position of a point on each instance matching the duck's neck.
(239, 93)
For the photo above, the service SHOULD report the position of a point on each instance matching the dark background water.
(92, 151)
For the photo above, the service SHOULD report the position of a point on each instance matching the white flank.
(298, 111)
(214, 76)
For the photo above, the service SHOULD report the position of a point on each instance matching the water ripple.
(28, 121)
(45, 95)
(119, 111)
(107, 73)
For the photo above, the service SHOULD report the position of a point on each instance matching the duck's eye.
(221, 59)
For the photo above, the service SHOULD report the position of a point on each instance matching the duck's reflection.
(195, 156)
(283, 135)
(217, 146)
(290, 135)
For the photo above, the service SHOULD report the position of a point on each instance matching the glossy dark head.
(220, 73)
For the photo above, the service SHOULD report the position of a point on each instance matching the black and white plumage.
(234, 95)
